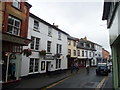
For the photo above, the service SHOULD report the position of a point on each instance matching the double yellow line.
(97, 88)
(57, 83)
(101, 83)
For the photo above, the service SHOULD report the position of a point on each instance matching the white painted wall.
(43, 35)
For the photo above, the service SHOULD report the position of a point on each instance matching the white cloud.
(79, 19)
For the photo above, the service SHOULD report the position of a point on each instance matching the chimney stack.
(55, 25)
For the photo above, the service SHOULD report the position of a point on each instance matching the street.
(81, 80)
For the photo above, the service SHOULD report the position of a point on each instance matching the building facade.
(105, 55)
(111, 13)
(72, 50)
(86, 52)
(49, 48)
(98, 53)
(14, 31)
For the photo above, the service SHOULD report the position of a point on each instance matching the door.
(48, 66)
(8, 66)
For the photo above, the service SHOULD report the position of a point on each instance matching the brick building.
(14, 31)
(105, 55)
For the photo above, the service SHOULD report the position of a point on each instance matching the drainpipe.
(7, 67)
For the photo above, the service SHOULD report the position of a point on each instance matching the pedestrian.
(72, 67)
(76, 66)
(87, 69)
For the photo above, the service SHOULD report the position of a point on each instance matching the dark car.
(102, 69)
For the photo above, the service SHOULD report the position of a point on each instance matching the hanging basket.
(27, 52)
(42, 52)
(57, 55)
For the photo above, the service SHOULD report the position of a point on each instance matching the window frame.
(59, 48)
(69, 42)
(18, 2)
(37, 44)
(35, 27)
(42, 65)
(59, 35)
(78, 52)
(58, 63)
(34, 45)
(50, 31)
(86, 53)
(34, 65)
(13, 25)
(69, 52)
(74, 52)
(49, 46)
(74, 43)
(90, 54)
(82, 53)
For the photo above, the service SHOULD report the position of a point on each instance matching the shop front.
(11, 56)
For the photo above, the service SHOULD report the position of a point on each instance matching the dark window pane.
(10, 21)
(17, 24)
(9, 29)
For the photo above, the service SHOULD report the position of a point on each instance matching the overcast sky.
(79, 18)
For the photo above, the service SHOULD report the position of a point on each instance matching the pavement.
(39, 82)
(43, 81)
(108, 83)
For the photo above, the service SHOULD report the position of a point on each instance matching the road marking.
(101, 83)
(57, 83)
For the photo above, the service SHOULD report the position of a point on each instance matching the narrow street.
(81, 80)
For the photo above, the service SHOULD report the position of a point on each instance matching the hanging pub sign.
(49, 57)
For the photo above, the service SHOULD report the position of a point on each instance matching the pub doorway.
(8, 66)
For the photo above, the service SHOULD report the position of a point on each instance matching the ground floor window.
(34, 65)
(58, 63)
(42, 65)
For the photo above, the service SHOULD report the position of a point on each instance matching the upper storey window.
(49, 31)
(74, 43)
(59, 35)
(16, 3)
(36, 25)
(14, 25)
(69, 42)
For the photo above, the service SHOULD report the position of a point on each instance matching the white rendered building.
(46, 37)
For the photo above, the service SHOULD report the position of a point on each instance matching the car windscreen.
(102, 67)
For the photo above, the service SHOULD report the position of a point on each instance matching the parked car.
(102, 69)
(109, 64)
(109, 67)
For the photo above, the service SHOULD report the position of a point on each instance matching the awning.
(15, 39)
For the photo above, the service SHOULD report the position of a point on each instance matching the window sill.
(35, 50)
(59, 39)
(48, 53)
(49, 36)
(19, 9)
(36, 30)
(14, 34)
